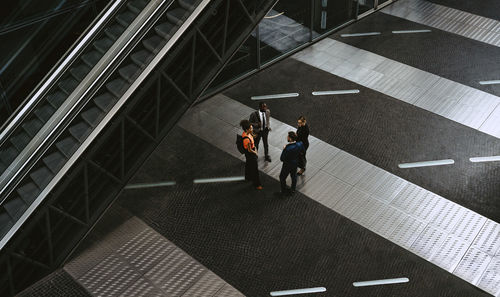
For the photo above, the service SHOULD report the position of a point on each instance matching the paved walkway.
(134, 260)
(438, 230)
(452, 100)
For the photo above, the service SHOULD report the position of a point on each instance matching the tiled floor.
(448, 19)
(134, 260)
(449, 236)
(463, 104)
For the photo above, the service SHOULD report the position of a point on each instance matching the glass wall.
(34, 35)
(287, 27)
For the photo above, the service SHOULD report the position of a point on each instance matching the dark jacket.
(303, 134)
(255, 120)
(291, 152)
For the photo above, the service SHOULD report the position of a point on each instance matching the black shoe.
(267, 158)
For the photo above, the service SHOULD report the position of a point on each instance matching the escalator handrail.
(109, 116)
(48, 81)
(32, 152)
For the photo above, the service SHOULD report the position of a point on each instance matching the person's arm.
(254, 120)
(284, 154)
(269, 120)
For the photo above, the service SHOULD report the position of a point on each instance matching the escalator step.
(9, 154)
(103, 44)
(15, 208)
(154, 43)
(105, 101)
(137, 5)
(126, 18)
(79, 72)
(32, 126)
(5, 222)
(80, 131)
(165, 30)
(56, 99)
(28, 192)
(130, 72)
(142, 58)
(117, 87)
(189, 4)
(68, 85)
(68, 146)
(177, 15)
(93, 116)
(114, 31)
(45, 112)
(55, 161)
(42, 176)
(20, 140)
(91, 58)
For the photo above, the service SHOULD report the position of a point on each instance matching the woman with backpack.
(248, 146)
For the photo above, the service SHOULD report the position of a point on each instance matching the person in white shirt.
(260, 120)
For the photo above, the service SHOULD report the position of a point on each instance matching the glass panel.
(16, 12)
(29, 52)
(286, 27)
(244, 61)
(365, 5)
(331, 14)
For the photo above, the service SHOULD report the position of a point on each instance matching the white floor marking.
(489, 82)
(275, 96)
(485, 159)
(299, 291)
(410, 31)
(338, 92)
(360, 34)
(427, 163)
(218, 179)
(381, 282)
(150, 185)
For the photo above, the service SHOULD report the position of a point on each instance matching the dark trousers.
(302, 161)
(251, 169)
(263, 134)
(287, 169)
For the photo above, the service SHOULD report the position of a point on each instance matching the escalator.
(70, 151)
(34, 35)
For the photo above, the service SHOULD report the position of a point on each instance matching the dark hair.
(292, 135)
(261, 104)
(302, 118)
(245, 124)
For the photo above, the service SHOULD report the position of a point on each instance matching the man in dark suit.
(260, 120)
(290, 158)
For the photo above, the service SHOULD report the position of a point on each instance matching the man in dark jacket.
(290, 158)
(261, 122)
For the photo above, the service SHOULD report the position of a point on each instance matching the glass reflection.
(286, 27)
(365, 5)
(34, 36)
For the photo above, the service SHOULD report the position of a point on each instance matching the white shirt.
(262, 119)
